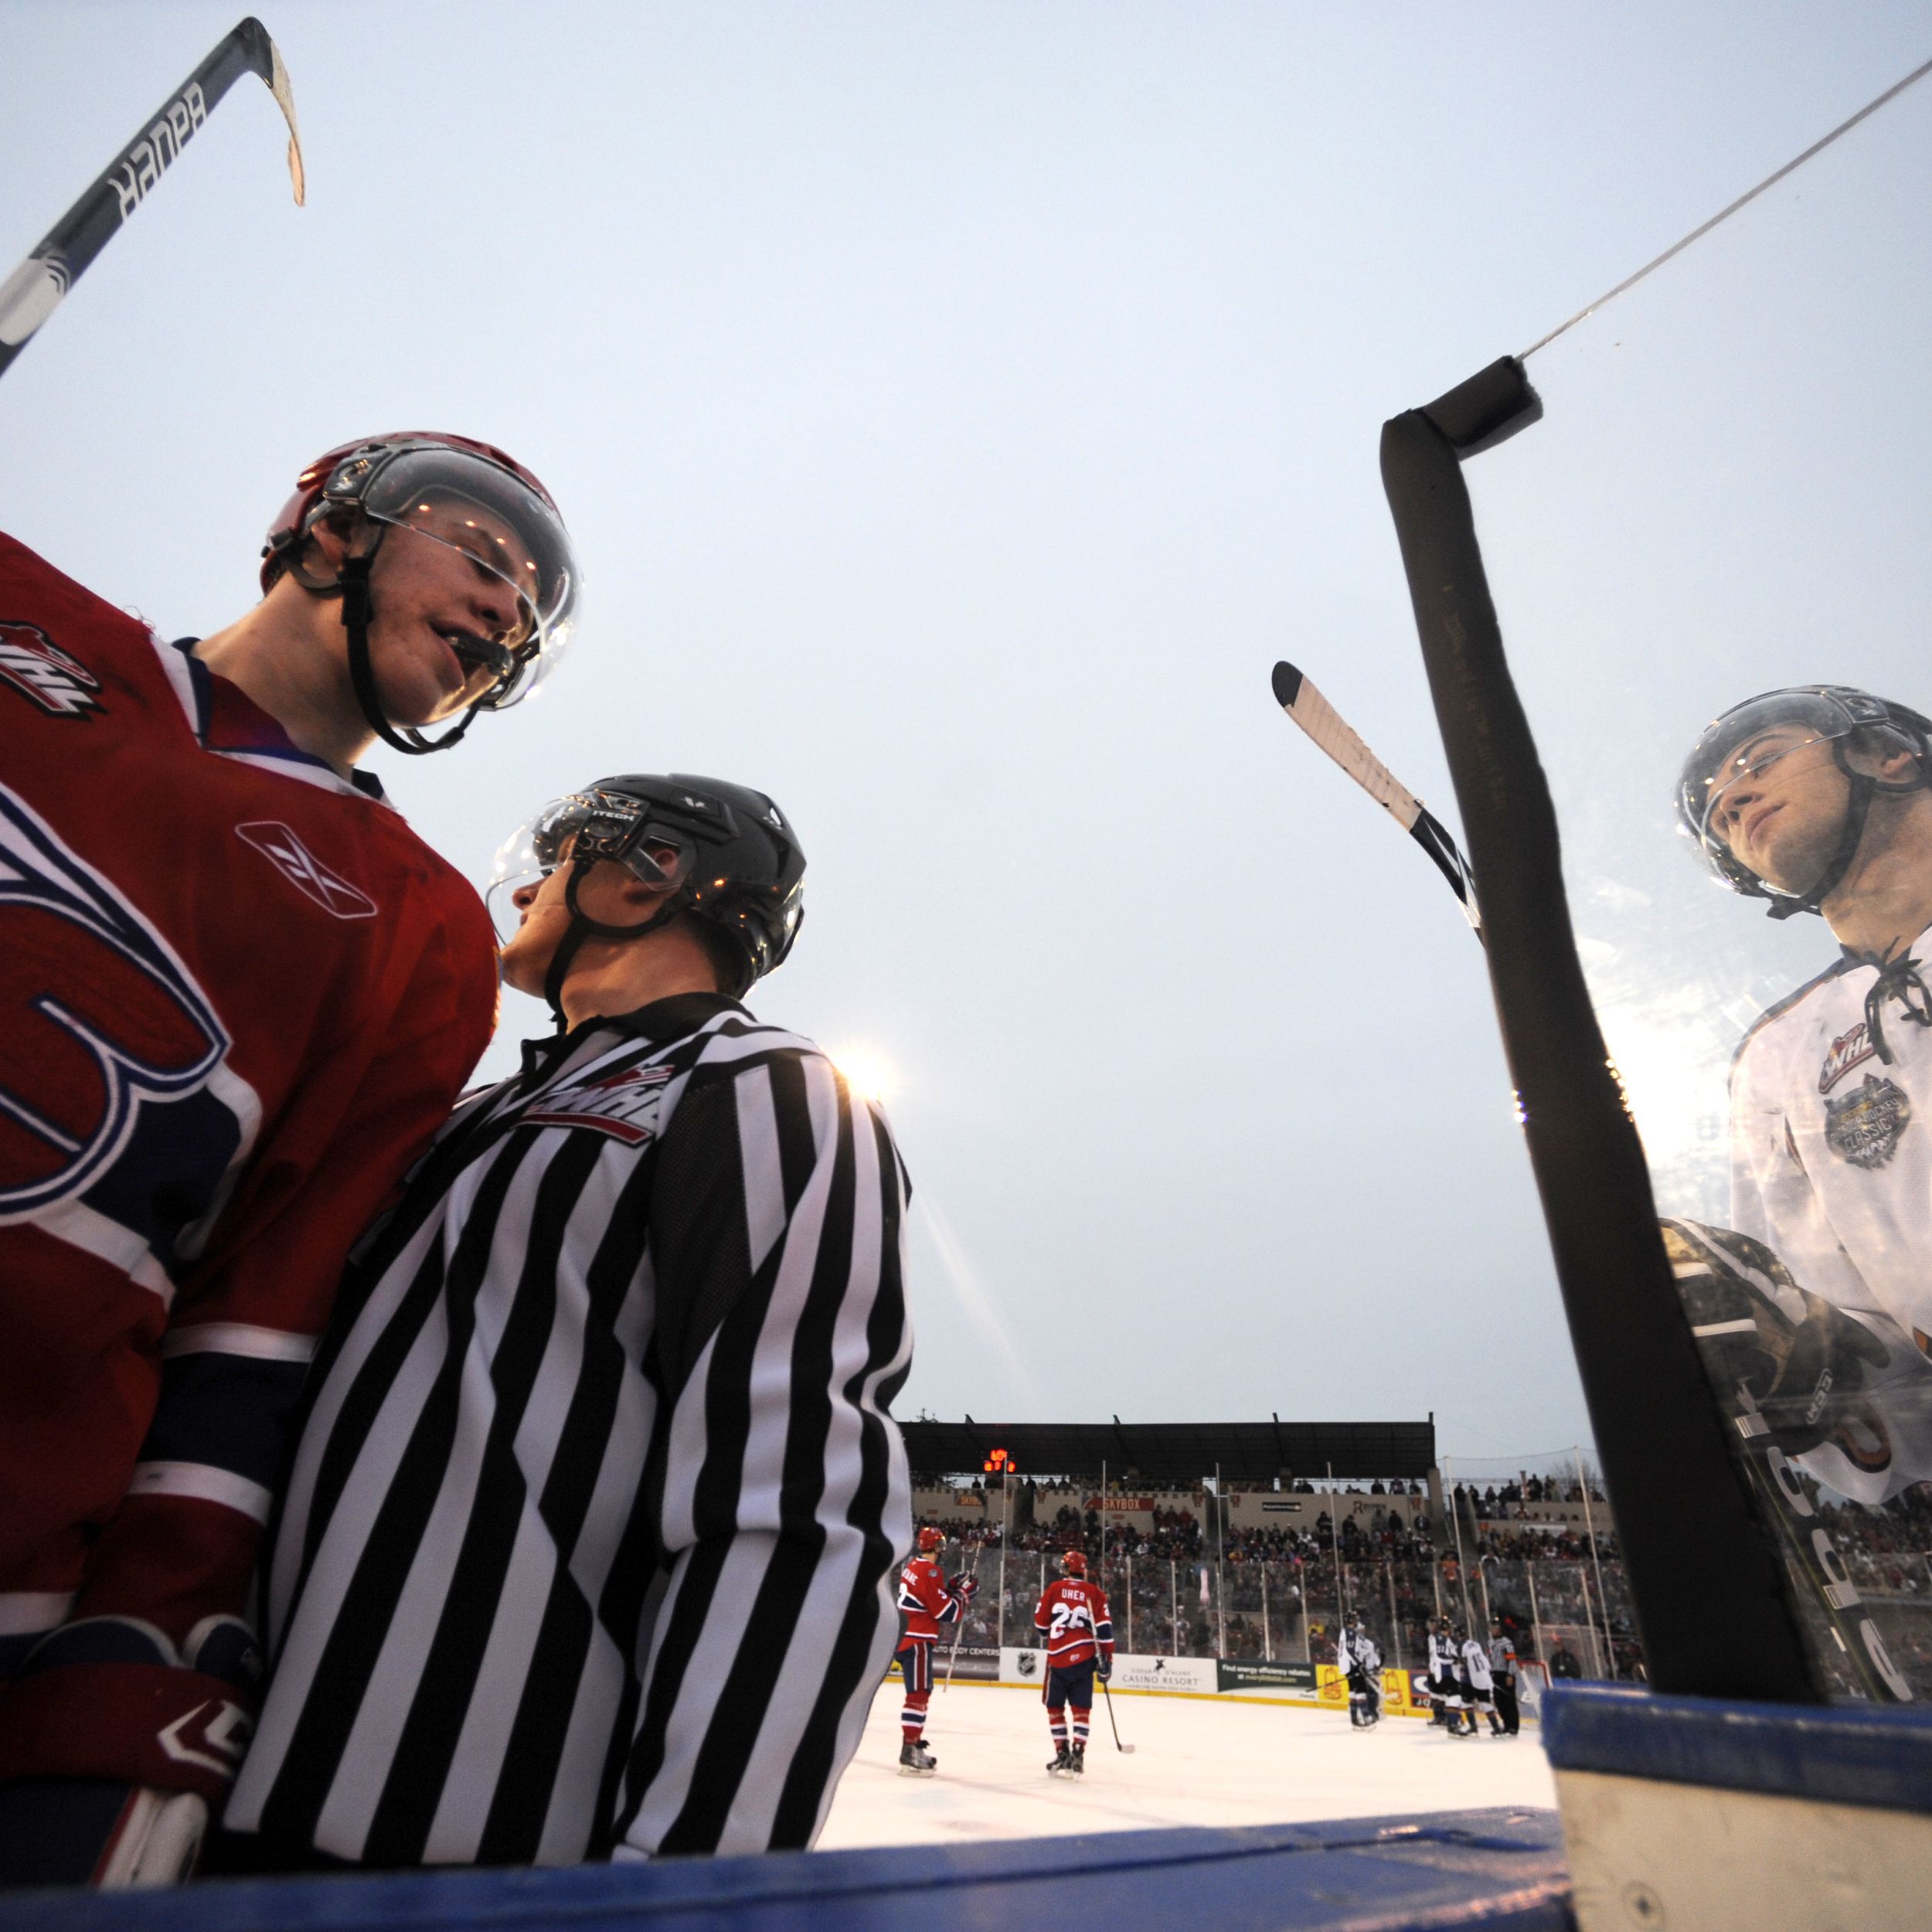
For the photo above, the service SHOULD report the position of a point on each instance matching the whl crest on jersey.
(624, 1105)
(32, 662)
(113, 1084)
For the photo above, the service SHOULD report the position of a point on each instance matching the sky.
(957, 410)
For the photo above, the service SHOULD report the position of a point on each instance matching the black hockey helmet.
(1833, 714)
(739, 866)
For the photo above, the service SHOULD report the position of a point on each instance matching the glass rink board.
(1711, 561)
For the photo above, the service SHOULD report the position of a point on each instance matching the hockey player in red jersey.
(240, 995)
(1077, 1629)
(928, 1598)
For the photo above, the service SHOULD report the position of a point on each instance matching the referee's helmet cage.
(930, 1539)
(737, 864)
(1746, 741)
(470, 497)
(1073, 1563)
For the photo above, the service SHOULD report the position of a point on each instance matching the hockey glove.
(964, 1586)
(83, 1830)
(1106, 1671)
(1797, 1358)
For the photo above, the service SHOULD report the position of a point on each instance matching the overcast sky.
(958, 410)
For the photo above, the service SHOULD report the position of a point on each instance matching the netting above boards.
(1730, 495)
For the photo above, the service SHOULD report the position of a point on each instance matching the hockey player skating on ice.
(1445, 1681)
(1819, 800)
(1359, 1661)
(928, 1600)
(1077, 1631)
(590, 1537)
(241, 994)
(1479, 1684)
(1503, 1673)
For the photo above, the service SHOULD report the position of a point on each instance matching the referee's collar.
(667, 1019)
(662, 1020)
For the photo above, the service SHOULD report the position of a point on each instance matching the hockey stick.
(952, 1656)
(32, 293)
(1298, 697)
(1125, 1750)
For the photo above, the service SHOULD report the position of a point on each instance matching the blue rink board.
(1500, 1868)
(1872, 1754)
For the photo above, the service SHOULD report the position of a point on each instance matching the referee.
(588, 1546)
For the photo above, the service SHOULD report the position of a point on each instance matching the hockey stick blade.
(33, 292)
(1298, 697)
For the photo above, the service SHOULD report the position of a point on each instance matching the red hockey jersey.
(237, 995)
(926, 1601)
(1072, 1621)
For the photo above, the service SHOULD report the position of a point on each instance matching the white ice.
(1195, 1762)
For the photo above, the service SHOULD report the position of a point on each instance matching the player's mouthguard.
(470, 649)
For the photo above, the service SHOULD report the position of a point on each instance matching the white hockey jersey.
(1832, 1169)
(1475, 1666)
(1357, 1650)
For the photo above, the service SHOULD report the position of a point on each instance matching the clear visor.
(1705, 798)
(472, 505)
(602, 825)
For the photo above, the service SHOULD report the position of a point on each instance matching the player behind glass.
(928, 1600)
(1503, 1673)
(1818, 800)
(1077, 1631)
(1359, 1661)
(240, 995)
(587, 1546)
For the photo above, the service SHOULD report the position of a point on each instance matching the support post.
(1713, 1606)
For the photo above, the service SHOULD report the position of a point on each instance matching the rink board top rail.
(1878, 1755)
(1497, 1868)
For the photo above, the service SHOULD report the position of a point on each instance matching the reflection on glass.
(1711, 565)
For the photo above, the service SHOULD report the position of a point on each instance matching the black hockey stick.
(32, 293)
(1127, 1750)
(1298, 697)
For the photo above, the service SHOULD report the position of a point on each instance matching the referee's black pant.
(1506, 1697)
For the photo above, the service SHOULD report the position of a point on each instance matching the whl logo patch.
(31, 662)
(305, 872)
(624, 1105)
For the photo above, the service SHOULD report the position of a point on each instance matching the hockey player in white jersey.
(1359, 1661)
(1819, 800)
(1445, 1681)
(1476, 1674)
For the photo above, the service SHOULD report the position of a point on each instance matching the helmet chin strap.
(359, 612)
(583, 926)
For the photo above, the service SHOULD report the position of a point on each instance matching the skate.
(915, 1760)
(1077, 1760)
(1063, 1762)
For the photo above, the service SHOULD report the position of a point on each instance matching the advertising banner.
(1249, 1679)
(1196, 1675)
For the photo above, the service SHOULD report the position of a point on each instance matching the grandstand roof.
(1243, 1451)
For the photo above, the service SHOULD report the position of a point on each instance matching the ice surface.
(1195, 1763)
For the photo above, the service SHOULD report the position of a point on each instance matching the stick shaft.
(32, 293)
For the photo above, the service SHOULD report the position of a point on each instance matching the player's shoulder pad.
(1772, 1014)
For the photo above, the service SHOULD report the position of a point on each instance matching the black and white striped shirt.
(590, 1540)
